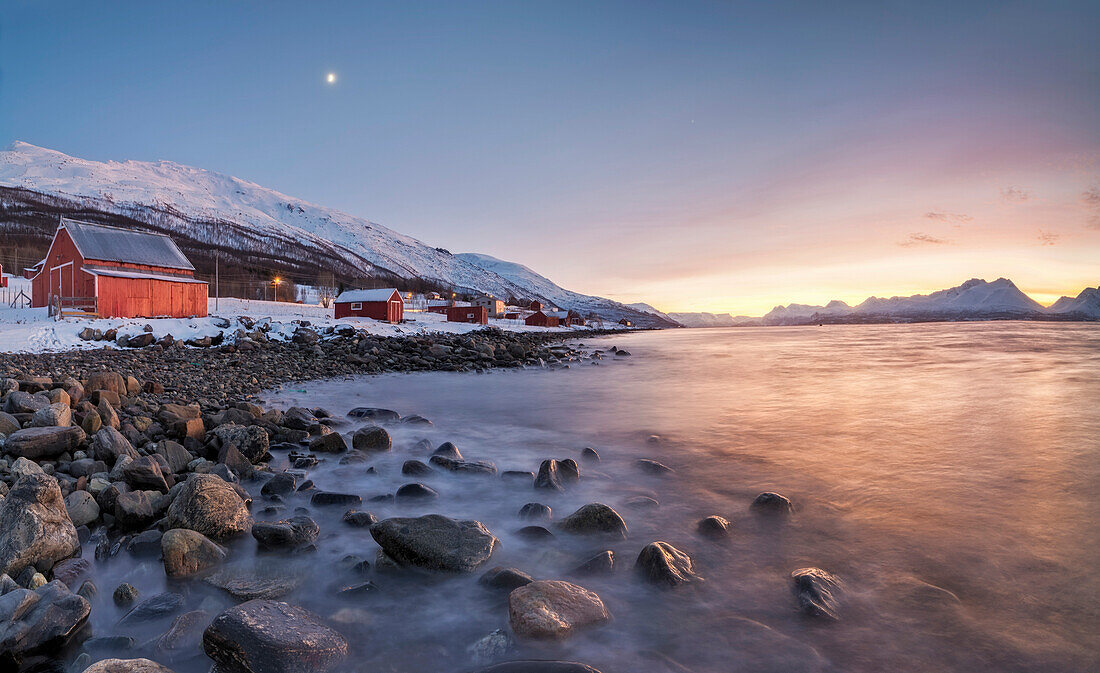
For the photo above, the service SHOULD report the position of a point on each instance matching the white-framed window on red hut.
(357, 306)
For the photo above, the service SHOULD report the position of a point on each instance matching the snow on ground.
(31, 330)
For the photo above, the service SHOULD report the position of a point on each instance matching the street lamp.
(276, 284)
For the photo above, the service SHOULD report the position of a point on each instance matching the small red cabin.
(32, 271)
(381, 304)
(3, 278)
(540, 319)
(535, 305)
(118, 273)
(474, 314)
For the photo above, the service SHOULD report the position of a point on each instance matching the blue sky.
(699, 155)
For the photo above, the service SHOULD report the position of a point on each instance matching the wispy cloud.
(921, 238)
(1091, 197)
(1048, 237)
(940, 216)
(1015, 194)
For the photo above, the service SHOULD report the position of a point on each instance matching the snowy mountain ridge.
(204, 209)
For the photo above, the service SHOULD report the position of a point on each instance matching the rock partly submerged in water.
(772, 503)
(817, 592)
(714, 527)
(127, 666)
(291, 533)
(187, 552)
(538, 666)
(435, 542)
(662, 564)
(38, 622)
(263, 636)
(592, 519)
(554, 609)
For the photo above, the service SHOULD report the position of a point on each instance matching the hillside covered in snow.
(255, 231)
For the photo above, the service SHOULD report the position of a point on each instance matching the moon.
(330, 78)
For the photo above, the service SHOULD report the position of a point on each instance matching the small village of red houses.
(97, 270)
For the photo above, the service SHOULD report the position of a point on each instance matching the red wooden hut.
(3, 278)
(32, 271)
(540, 319)
(118, 273)
(535, 305)
(380, 304)
(474, 314)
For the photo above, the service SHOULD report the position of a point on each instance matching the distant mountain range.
(975, 299)
(256, 231)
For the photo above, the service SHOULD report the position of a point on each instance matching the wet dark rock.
(173, 452)
(590, 455)
(415, 419)
(36, 622)
(34, 525)
(416, 491)
(594, 518)
(817, 592)
(415, 468)
(358, 588)
(553, 609)
(504, 579)
(569, 470)
(435, 542)
(642, 502)
(157, 607)
(145, 543)
(477, 467)
(291, 533)
(298, 418)
(325, 498)
(715, 527)
(70, 570)
(600, 564)
(246, 585)
(263, 636)
(44, 443)
(534, 534)
(124, 594)
(535, 511)
(183, 639)
(333, 442)
(520, 476)
(354, 517)
(662, 564)
(375, 414)
(372, 439)
(108, 644)
(549, 476)
(772, 503)
(653, 467)
(187, 552)
(448, 450)
(281, 484)
(209, 505)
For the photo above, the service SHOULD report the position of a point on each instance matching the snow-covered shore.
(31, 330)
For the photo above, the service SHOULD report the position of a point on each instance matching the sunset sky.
(699, 156)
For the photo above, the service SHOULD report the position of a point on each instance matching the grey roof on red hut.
(114, 244)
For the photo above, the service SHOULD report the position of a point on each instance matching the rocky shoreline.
(162, 452)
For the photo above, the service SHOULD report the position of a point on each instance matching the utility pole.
(217, 279)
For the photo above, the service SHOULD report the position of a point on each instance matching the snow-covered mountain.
(704, 319)
(552, 293)
(252, 227)
(976, 299)
(1086, 304)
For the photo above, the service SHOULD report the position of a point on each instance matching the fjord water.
(949, 474)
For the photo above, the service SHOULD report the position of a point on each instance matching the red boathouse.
(540, 319)
(117, 273)
(385, 304)
(474, 314)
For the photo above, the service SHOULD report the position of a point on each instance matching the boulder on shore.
(263, 636)
(292, 533)
(34, 525)
(187, 552)
(435, 542)
(44, 443)
(38, 622)
(553, 609)
(662, 564)
(817, 592)
(211, 506)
